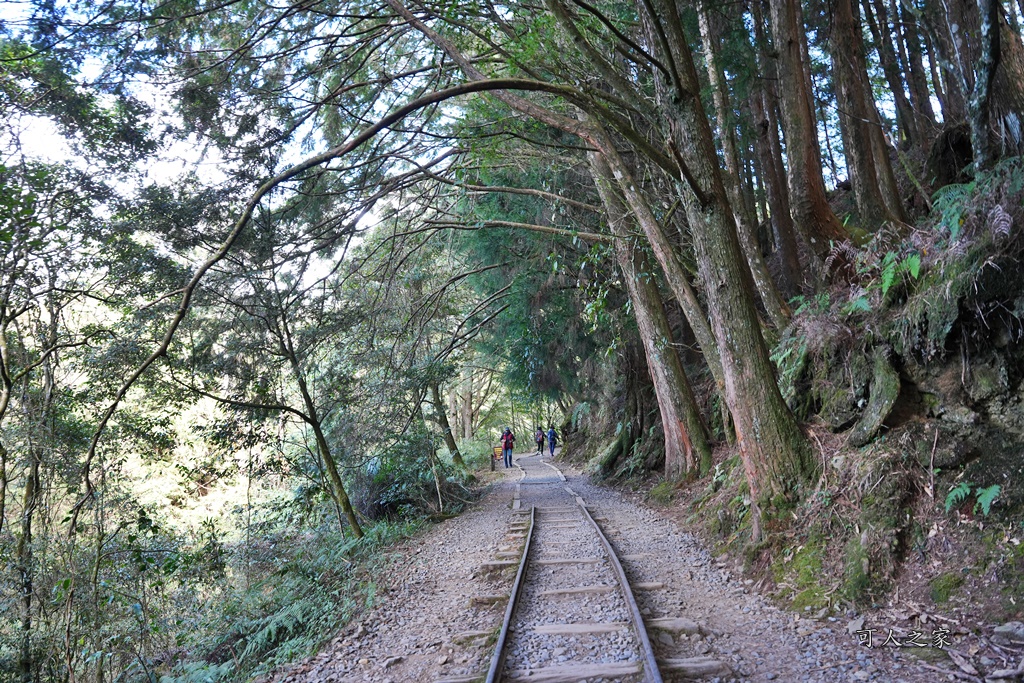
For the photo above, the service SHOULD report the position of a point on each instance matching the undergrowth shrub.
(407, 478)
(287, 600)
(476, 453)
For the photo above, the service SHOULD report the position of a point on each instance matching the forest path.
(437, 614)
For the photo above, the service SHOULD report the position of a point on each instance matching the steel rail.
(651, 672)
(498, 659)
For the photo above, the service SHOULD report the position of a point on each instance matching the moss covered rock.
(885, 388)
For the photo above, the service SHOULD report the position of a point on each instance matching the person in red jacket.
(508, 440)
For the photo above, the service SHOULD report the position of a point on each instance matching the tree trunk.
(687, 451)
(937, 85)
(314, 421)
(442, 421)
(953, 28)
(769, 143)
(777, 310)
(906, 121)
(808, 202)
(858, 115)
(26, 569)
(774, 451)
(775, 192)
(1007, 89)
(984, 59)
(332, 472)
(908, 38)
(467, 403)
(665, 253)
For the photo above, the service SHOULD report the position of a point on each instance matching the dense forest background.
(273, 276)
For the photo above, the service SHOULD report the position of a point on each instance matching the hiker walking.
(508, 439)
(552, 439)
(538, 436)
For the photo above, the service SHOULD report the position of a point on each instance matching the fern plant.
(950, 203)
(983, 496)
(957, 495)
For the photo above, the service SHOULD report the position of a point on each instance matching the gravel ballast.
(439, 609)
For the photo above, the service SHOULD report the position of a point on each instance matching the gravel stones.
(425, 615)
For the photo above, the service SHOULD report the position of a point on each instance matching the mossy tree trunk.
(313, 419)
(775, 452)
(687, 451)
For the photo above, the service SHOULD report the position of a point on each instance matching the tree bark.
(808, 202)
(776, 308)
(774, 451)
(984, 59)
(442, 421)
(766, 100)
(665, 253)
(775, 193)
(911, 46)
(906, 121)
(858, 115)
(938, 83)
(1008, 89)
(687, 451)
(314, 420)
(953, 27)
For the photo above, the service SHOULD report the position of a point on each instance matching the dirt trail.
(425, 625)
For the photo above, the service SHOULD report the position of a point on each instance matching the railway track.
(570, 613)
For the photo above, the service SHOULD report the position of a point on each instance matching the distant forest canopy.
(274, 276)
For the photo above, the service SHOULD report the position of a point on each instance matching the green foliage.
(957, 495)
(476, 453)
(943, 586)
(953, 205)
(802, 569)
(949, 203)
(984, 496)
(306, 590)
(662, 493)
(880, 275)
(579, 412)
(790, 358)
(819, 303)
(893, 266)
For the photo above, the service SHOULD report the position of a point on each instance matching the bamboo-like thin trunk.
(23, 552)
(467, 403)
